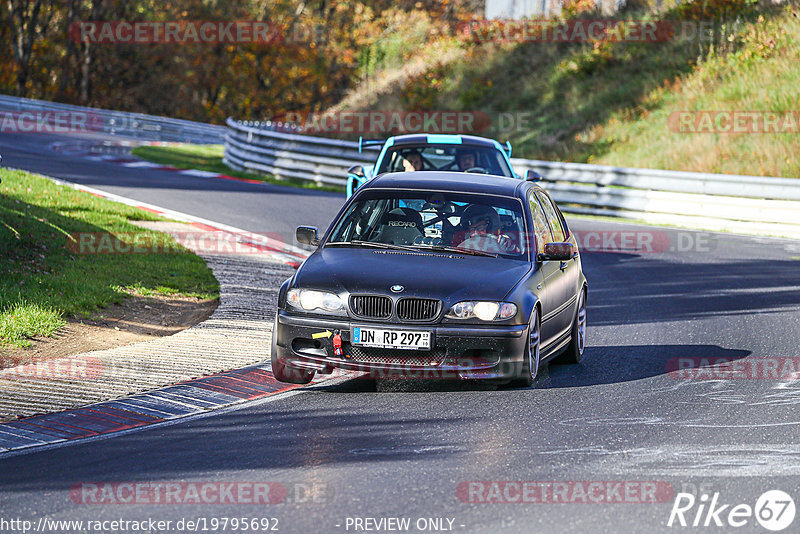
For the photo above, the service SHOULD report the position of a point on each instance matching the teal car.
(420, 152)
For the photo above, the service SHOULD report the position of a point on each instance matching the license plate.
(391, 339)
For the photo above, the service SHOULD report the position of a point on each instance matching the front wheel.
(574, 352)
(279, 369)
(530, 363)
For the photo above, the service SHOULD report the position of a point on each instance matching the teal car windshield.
(445, 157)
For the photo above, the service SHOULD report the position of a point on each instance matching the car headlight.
(483, 310)
(309, 299)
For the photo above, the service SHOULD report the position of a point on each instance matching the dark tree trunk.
(24, 30)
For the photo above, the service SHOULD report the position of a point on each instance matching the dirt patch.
(136, 319)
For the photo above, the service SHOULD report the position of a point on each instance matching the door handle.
(539, 286)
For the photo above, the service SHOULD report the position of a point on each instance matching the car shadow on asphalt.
(406, 385)
(625, 363)
(600, 365)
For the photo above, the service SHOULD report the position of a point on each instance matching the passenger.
(412, 161)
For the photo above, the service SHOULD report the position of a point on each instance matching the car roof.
(462, 182)
(425, 139)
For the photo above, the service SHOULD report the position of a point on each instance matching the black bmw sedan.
(435, 275)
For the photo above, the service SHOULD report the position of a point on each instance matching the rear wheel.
(530, 360)
(574, 352)
(279, 369)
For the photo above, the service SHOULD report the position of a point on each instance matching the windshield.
(457, 222)
(432, 157)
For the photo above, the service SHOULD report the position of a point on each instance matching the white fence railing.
(137, 126)
(744, 204)
(264, 148)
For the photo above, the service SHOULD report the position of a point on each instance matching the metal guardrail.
(124, 124)
(263, 147)
(744, 204)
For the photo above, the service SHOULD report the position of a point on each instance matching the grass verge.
(616, 101)
(209, 158)
(43, 280)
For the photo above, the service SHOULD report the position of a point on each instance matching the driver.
(412, 161)
(481, 226)
(466, 159)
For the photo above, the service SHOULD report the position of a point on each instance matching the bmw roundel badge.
(397, 288)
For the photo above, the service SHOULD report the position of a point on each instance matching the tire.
(530, 360)
(279, 369)
(574, 351)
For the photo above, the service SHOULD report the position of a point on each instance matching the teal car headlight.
(310, 300)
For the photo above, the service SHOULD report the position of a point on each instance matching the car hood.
(450, 277)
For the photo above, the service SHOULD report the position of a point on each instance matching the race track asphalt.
(410, 448)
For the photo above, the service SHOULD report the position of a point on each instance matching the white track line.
(141, 164)
(200, 174)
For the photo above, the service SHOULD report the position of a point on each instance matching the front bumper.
(457, 352)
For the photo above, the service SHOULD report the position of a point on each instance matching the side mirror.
(307, 235)
(357, 170)
(532, 176)
(557, 252)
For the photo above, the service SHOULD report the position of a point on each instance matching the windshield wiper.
(441, 248)
(389, 246)
(373, 244)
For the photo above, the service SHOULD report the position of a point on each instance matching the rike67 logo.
(774, 510)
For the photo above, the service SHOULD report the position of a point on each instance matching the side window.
(540, 228)
(561, 218)
(555, 221)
